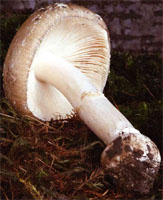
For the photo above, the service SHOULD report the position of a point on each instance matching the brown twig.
(5, 195)
(149, 91)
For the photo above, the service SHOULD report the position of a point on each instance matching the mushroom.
(57, 64)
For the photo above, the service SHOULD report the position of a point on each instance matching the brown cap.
(72, 32)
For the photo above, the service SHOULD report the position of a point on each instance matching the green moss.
(135, 78)
(135, 87)
(9, 26)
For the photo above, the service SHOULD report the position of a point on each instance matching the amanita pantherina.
(59, 61)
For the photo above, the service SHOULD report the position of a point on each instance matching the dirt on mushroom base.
(124, 159)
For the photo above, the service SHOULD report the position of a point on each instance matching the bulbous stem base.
(132, 161)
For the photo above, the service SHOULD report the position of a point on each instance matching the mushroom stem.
(130, 158)
(91, 105)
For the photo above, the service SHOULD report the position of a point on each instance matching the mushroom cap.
(71, 32)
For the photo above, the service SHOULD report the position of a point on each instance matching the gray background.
(134, 25)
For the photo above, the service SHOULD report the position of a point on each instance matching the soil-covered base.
(132, 162)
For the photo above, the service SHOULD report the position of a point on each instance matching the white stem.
(102, 117)
(91, 105)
